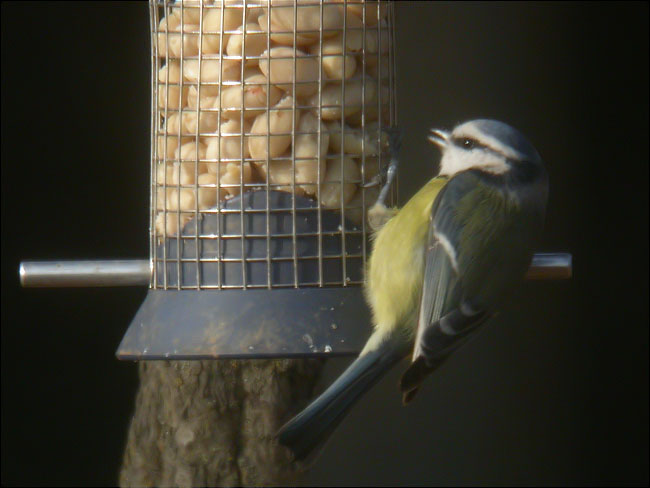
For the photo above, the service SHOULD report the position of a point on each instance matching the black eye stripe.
(467, 143)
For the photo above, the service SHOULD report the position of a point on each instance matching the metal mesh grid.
(268, 123)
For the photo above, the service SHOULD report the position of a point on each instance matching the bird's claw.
(395, 142)
(374, 181)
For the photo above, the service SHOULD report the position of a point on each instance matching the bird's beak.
(439, 137)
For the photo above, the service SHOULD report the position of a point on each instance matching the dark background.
(554, 391)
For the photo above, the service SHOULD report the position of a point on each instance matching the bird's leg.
(379, 214)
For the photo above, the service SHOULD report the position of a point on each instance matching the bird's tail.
(307, 432)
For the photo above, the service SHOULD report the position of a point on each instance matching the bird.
(440, 266)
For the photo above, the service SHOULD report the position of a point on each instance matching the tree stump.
(212, 423)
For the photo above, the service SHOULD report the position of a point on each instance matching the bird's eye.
(467, 143)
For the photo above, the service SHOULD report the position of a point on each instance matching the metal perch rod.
(137, 272)
(61, 274)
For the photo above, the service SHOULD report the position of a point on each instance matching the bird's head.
(487, 145)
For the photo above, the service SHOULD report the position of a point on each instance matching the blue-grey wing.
(462, 280)
(438, 287)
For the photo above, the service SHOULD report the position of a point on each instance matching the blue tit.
(440, 267)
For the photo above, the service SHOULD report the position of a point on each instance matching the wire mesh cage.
(269, 139)
(270, 130)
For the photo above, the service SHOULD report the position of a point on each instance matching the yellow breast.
(396, 265)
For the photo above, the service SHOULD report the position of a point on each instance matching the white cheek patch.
(488, 162)
(455, 160)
